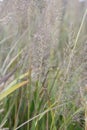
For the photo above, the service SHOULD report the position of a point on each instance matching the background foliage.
(43, 50)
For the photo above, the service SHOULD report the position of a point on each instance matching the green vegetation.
(43, 57)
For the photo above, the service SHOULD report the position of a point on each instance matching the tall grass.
(43, 65)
